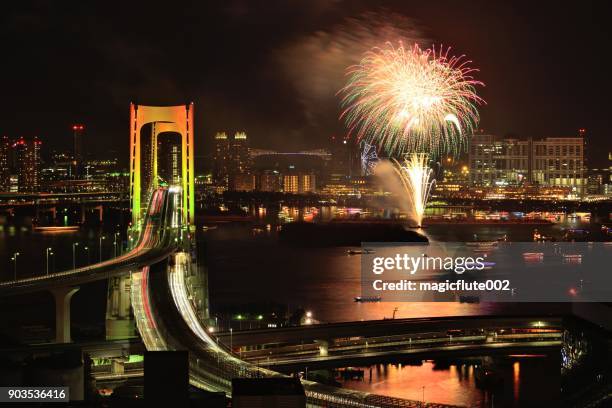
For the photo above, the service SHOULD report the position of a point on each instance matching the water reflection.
(524, 381)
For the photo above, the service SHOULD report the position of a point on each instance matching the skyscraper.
(5, 170)
(27, 163)
(78, 154)
(169, 158)
(221, 158)
(232, 162)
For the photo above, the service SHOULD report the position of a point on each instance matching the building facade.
(221, 158)
(232, 162)
(5, 169)
(269, 181)
(548, 162)
(27, 163)
(299, 183)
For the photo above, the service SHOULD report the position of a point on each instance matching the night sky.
(272, 68)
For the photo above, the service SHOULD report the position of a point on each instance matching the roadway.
(388, 348)
(152, 246)
(167, 320)
(386, 327)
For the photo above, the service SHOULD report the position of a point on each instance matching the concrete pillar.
(117, 367)
(62, 298)
(119, 321)
(323, 347)
(100, 210)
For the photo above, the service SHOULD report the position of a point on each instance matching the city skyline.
(227, 75)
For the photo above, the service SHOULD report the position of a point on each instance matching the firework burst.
(411, 100)
(417, 182)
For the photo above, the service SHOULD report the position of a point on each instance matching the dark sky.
(272, 68)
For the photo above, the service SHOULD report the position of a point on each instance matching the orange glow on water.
(445, 386)
(516, 379)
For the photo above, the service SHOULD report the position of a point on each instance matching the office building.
(269, 180)
(548, 162)
(559, 162)
(5, 169)
(232, 162)
(78, 153)
(299, 183)
(27, 163)
(243, 182)
(221, 157)
(169, 158)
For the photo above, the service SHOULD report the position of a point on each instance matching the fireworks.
(411, 100)
(369, 158)
(417, 182)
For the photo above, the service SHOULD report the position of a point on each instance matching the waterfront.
(247, 265)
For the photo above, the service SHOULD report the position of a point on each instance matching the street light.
(88, 258)
(115, 243)
(423, 395)
(232, 340)
(47, 251)
(74, 245)
(100, 248)
(14, 259)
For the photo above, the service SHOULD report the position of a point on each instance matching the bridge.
(158, 239)
(26, 199)
(388, 327)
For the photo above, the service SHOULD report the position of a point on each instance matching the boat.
(572, 258)
(487, 378)
(367, 299)
(533, 257)
(67, 228)
(360, 251)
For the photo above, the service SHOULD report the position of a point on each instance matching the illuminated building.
(560, 162)
(595, 184)
(169, 159)
(221, 157)
(239, 169)
(343, 160)
(290, 183)
(5, 170)
(269, 180)
(549, 162)
(78, 153)
(232, 162)
(243, 182)
(299, 183)
(498, 161)
(27, 163)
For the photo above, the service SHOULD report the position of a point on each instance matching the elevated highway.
(387, 327)
(155, 242)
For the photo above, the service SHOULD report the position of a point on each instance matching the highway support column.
(62, 298)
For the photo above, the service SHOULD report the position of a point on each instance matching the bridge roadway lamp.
(100, 247)
(47, 252)
(115, 242)
(74, 245)
(231, 340)
(14, 259)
